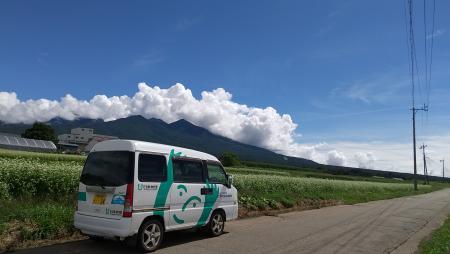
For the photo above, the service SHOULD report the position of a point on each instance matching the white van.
(139, 190)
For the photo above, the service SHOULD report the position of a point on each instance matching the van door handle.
(206, 191)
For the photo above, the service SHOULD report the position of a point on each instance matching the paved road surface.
(386, 226)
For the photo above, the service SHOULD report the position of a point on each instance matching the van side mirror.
(229, 181)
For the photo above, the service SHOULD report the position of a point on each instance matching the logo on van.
(147, 186)
(118, 199)
(225, 195)
(113, 212)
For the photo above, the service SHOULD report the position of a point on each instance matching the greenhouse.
(9, 141)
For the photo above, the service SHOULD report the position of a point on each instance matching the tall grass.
(39, 177)
(43, 156)
(254, 171)
(28, 174)
(324, 189)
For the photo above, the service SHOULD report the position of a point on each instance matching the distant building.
(81, 139)
(68, 147)
(77, 136)
(95, 139)
(11, 141)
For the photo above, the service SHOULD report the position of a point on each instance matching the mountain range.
(180, 133)
(185, 134)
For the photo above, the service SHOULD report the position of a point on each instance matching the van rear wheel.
(150, 235)
(216, 223)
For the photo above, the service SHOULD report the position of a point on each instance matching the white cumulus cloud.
(336, 158)
(364, 160)
(216, 111)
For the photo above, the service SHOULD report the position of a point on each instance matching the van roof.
(135, 145)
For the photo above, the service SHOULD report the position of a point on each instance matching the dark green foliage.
(40, 131)
(229, 159)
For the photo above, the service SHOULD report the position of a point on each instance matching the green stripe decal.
(163, 191)
(82, 196)
(210, 200)
(193, 198)
(181, 186)
(177, 220)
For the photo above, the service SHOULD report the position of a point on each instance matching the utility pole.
(443, 167)
(414, 110)
(425, 170)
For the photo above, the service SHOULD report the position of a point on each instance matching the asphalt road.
(387, 226)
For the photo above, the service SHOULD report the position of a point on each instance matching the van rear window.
(111, 168)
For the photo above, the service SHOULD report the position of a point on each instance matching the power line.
(414, 72)
(414, 67)
(425, 43)
(410, 37)
(408, 48)
(426, 59)
(431, 51)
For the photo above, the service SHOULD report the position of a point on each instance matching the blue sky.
(338, 68)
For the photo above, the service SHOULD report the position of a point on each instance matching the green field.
(37, 192)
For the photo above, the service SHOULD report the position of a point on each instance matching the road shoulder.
(411, 245)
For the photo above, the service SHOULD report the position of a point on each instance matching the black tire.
(131, 241)
(216, 223)
(96, 238)
(150, 236)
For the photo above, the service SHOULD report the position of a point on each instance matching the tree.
(40, 131)
(229, 159)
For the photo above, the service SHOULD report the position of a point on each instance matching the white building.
(84, 137)
(77, 135)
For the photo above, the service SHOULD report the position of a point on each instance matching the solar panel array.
(25, 143)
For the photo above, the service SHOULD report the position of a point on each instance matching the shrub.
(229, 159)
(40, 131)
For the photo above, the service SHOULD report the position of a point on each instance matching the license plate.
(99, 199)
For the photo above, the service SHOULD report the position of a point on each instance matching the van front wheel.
(150, 235)
(216, 223)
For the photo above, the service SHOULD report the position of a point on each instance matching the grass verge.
(439, 242)
(25, 220)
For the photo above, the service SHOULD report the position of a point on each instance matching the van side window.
(187, 171)
(216, 174)
(152, 168)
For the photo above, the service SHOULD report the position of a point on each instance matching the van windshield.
(112, 168)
